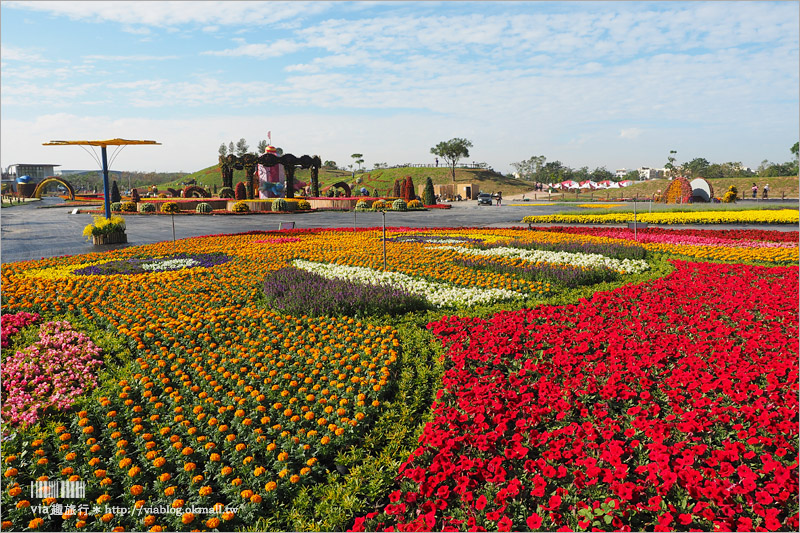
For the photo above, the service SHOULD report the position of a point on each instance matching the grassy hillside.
(382, 179)
(787, 185)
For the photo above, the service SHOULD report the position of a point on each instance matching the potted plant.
(106, 230)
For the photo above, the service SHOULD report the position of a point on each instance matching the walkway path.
(29, 232)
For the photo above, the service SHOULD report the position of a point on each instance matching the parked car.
(484, 199)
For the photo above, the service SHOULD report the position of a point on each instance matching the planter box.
(637, 225)
(111, 238)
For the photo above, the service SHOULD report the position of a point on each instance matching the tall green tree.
(601, 174)
(451, 151)
(115, 195)
(358, 159)
(428, 194)
(672, 170)
(530, 168)
(262, 147)
(223, 150)
(697, 167)
(241, 147)
(231, 148)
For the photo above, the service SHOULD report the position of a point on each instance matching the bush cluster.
(240, 192)
(129, 207)
(241, 207)
(116, 207)
(226, 192)
(204, 207)
(170, 207)
(399, 205)
(279, 204)
(303, 205)
(147, 207)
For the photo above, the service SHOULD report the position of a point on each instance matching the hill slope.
(382, 179)
(777, 186)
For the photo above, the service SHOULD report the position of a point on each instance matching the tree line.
(538, 169)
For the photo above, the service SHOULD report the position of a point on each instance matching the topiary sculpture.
(204, 208)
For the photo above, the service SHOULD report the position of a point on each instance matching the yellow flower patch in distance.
(601, 206)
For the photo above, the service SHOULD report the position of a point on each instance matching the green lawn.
(382, 180)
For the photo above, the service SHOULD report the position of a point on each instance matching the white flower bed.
(438, 294)
(170, 264)
(628, 266)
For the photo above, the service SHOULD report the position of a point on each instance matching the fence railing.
(482, 166)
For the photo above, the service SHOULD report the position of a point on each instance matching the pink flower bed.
(711, 236)
(279, 240)
(49, 374)
(11, 324)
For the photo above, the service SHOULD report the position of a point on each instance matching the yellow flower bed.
(601, 206)
(753, 216)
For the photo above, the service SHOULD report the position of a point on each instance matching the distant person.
(754, 188)
(437, 161)
(499, 198)
(766, 191)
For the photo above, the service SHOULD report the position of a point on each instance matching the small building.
(36, 171)
(452, 190)
(647, 173)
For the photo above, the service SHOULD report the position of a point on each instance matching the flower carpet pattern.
(230, 405)
(725, 245)
(754, 216)
(670, 405)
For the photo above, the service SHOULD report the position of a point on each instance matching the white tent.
(569, 184)
(625, 183)
(586, 185)
(613, 185)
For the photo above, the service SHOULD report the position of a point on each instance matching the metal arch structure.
(104, 162)
(54, 179)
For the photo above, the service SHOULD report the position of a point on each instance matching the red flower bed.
(438, 206)
(732, 234)
(671, 405)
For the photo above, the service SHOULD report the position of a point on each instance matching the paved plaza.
(45, 229)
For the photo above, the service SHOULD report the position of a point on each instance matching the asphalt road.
(43, 229)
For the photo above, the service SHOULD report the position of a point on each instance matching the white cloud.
(169, 14)
(13, 53)
(631, 133)
(126, 58)
(258, 51)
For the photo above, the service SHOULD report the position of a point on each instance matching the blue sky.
(615, 84)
